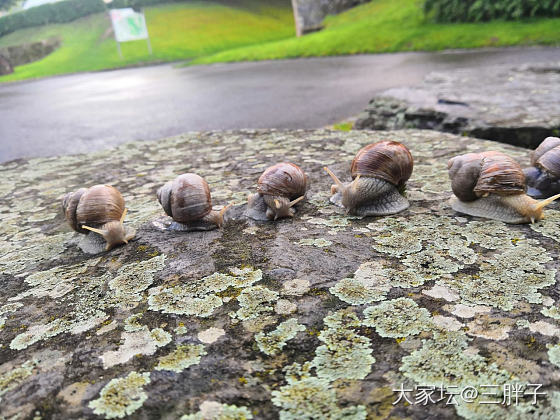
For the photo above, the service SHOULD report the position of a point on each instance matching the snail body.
(99, 209)
(379, 172)
(187, 200)
(543, 177)
(492, 185)
(279, 189)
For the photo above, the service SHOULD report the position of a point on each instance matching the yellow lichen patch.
(121, 396)
(181, 358)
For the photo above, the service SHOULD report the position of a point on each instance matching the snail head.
(113, 232)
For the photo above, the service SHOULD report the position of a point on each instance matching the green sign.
(128, 25)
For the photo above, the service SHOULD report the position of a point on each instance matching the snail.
(543, 178)
(98, 209)
(492, 185)
(379, 172)
(279, 189)
(187, 200)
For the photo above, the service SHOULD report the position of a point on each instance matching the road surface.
(92, 111)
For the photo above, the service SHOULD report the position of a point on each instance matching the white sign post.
(129, 25)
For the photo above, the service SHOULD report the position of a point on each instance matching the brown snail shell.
(379, 172)
(492, 185)
(187, 200)
(100, 209)
(388, 160)
(543, 178)
(279, 189)
(474, 175)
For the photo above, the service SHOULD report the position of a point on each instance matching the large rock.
(19, 55)
(309, 14)
(516, 105)
(322, 316)
(5, 66)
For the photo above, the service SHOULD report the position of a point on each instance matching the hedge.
(63, 11)
(485, 10)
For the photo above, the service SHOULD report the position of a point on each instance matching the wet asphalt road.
(86, 112)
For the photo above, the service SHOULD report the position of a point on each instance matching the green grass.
(390, 26)
(210, 32)
(177, 31)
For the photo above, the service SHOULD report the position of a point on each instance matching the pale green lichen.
(199, 298)
(554, 355)
(58, 326)
(181, 358)
(319, 243)
(312, 398)
(271, 343)
(443, 361)
(397, 318)
(552, 312)
(526, 274)
(369, 284)
(57, 281)
(12, 378)
(344, 354)
(255, 301)
(139, 342)
(131, 323)
(549, 225)
(213, 410)
(132, 279)
(121, 396)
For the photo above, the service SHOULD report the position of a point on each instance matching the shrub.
(484, 10)
(64, 11)
(60, 12)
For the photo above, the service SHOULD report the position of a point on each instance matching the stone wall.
(18, 55)
(317, 317)
(518, 105)
(309, 14)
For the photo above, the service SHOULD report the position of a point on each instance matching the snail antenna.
(297, 200)
(123, 215)
(101, 232)
(543, 203)
(335, 178)
(221, 214)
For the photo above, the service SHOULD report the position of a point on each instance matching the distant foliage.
(484, 10)
(60, 12)
(64, 11)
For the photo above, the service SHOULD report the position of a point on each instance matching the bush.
(64, 11)
(484, 10)
(60, 12)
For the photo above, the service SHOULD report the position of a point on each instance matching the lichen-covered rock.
(518, 105)
(319, 316)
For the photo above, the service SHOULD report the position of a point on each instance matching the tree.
(7, 4)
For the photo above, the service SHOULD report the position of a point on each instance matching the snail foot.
(491, 207)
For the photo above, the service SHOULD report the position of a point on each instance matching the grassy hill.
(395, 25)
(177, 31)
(208, 31)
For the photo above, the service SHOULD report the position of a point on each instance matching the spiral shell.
(387, 160)
(283, 179)
(186, 198)
(93, 206)
(474, 175)
(547, 156)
